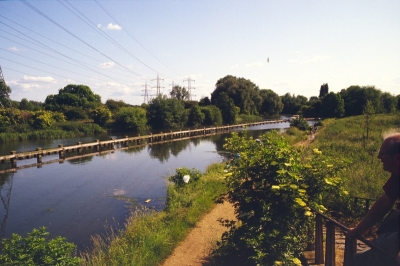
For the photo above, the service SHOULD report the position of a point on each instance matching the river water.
(83, 197)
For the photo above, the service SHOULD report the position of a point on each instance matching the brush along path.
(195, 249)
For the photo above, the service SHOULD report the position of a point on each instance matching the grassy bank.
(150, 236)
(347, 138)
(57, 131)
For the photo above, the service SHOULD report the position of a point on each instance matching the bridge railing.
(328, 258)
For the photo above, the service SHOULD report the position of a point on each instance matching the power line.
(136, 39)
(69, 32)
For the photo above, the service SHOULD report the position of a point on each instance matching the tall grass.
(58, 131)
(346, 138)
(150, 236)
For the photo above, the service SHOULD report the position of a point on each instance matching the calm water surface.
(83, 197)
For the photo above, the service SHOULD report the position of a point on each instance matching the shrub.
(273, 189)
(35, 249)
(178, 178)
(300, 123)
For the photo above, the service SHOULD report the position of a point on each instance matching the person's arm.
(381, 206)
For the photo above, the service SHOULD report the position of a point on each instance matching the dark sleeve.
(392, 188)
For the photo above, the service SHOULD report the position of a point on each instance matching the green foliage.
(73, 96)
(241, 91)
(75, 113)
(332, 105)
(101, 115)
(131, 118)
(271, 104)
(195, 117)
(36, 249)
(114, 105)
(292, 104)
(180, 93)
(163, 113)
(177, 179)
(212, 115)
(300, 123)
(324, 90)
(227, 107)
(273, 188)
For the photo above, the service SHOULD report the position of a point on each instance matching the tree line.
(233, 100)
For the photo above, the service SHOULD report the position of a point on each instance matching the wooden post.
(79, 148)
(138, 140)
(13, 161)
(112, 144)
(330, 244)
(319, 247)
(39, 155)
(61, 151)
(126, 141)
(350, 248)
(367, 205)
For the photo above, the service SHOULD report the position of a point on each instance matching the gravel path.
(194, 250)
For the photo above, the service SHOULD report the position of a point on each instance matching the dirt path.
(194, 250)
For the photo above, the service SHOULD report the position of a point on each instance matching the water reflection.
(92, 191)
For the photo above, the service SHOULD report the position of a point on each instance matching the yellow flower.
(275, 187)
(297, 261)
(307, 213)
(300, 202)
(278, 263)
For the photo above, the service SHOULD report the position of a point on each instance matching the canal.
(86, 196)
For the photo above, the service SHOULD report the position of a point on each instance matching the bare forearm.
(376, 213)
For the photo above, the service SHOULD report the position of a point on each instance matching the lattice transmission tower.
(190, 88)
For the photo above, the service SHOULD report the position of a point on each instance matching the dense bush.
(36, 249)
(131, 119)
(273, 189)
(300, 123)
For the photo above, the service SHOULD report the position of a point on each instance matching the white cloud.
(234, 66)
(99, 26)
(107, 65)
(111, 26)
(256, 64)
(38, 79)
(15, 49)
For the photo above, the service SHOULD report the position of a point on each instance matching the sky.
(119, 48)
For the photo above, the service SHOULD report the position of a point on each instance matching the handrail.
(350, 242)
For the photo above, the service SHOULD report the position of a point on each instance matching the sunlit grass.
(346, 138)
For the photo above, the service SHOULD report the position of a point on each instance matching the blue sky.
(116, 47)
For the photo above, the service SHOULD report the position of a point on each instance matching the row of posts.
(61, 151)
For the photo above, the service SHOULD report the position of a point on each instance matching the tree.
(101, 115)
(131, 119)
(180, 93)
(75, 96)
(4, 94)
(389, 102)
(324, 90)
(227, 107)
(163, 113)
(25, 105)
(196, 117)
(242, 91)
(212, 115)
(271, 103)
(292, 104)
(205, 101)
(332, 105)
(356, 97)
(115, 105)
